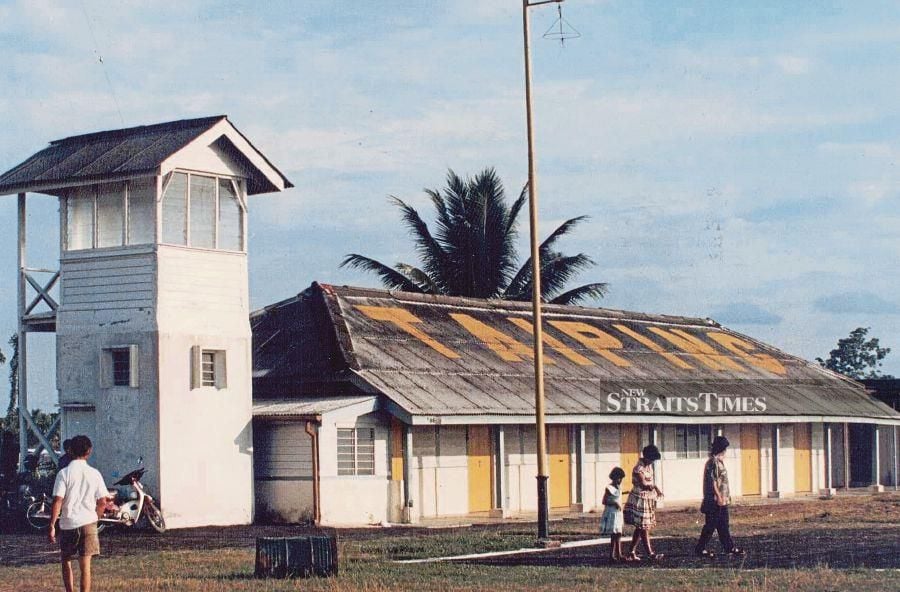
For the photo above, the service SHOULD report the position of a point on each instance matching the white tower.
(153, 336)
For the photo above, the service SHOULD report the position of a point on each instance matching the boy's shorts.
(83, 541)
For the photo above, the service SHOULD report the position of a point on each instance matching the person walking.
(79, 497)
(640, 509)
(611, 523)
(716, 499)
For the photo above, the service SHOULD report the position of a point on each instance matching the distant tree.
(13, 372)
(857, 358)
(472, 251)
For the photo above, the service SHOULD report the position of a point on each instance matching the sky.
(736, 160)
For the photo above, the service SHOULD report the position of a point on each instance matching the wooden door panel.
(802, 458)
(629, 451)
(558, 457)
(750, 463)
(479, 452)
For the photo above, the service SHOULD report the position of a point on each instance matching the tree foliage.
(471, 250)
(856, 357)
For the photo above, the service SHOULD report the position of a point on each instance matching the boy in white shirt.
(79, 498)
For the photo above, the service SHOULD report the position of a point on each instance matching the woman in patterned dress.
(640, 509)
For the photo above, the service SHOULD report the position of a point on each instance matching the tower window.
(202, 211)
(208, 368)
(119, 366)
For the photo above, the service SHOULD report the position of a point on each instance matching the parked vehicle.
(13, 505)
(131, 504)
(37, 514)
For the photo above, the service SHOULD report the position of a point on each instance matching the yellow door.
(479, 450)
(396, 450)
(558, 457)
(629, 450)
(750, 460)
(802, 458)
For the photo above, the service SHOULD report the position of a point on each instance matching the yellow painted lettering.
(406, 321)
(500, 343)
(653, 346)
(594, 339)
(699, 350)
(553, 342)
(742, 349)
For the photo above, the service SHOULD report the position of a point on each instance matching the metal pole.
(846, 455)
(542, 476)
(20, 335)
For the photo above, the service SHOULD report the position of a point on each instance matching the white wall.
(355, 499)
(205, 433)
(601, 456)
(440, 483)
(106, 300)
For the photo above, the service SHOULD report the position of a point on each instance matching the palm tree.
(472, 250)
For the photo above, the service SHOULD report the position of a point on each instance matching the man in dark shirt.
(66, 458)
(716, 498)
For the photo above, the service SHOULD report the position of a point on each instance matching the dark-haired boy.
(79, 497)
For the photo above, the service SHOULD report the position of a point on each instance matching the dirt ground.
(854, 531)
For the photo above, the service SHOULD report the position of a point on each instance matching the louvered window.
(356, 451)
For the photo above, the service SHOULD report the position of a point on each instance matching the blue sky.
(737, 160)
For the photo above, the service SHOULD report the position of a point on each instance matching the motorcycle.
(37, 514)
(131, 503)
(12, 504)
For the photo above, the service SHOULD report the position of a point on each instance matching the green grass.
(856, 530)
(207, 571)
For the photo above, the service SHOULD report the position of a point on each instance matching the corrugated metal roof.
(303, 407)
(108, 155)
(441, 356)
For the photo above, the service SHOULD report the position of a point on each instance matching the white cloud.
(793, 64)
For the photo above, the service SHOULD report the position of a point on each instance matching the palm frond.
(558, 269)
(432, 255)
(581, 293)
(419, 277)
(561, 231)
(390, 277)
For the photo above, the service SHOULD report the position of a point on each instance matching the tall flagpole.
(543, 475)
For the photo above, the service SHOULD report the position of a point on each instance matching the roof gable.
(126, 153)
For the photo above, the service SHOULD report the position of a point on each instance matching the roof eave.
(53, 187)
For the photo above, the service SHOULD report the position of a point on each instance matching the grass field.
(848, 543)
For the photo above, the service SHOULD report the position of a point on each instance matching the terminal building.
(373, 406)
(354, 406)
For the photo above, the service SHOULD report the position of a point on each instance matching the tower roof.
(120, 154)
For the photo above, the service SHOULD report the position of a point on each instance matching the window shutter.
(105, 369)
(221, 379)
(133, 366)
(196, 369)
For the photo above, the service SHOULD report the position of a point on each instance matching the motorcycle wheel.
(38, 514)
(154, 516)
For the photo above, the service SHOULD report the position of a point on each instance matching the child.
(611, 523)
